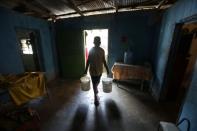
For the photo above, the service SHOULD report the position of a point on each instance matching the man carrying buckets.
(96, 59)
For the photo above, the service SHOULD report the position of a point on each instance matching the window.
(26, 46)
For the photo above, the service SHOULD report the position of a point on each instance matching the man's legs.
(95, 82)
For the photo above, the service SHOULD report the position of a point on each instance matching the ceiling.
(57, 9)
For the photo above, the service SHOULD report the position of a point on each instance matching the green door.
(71, 53)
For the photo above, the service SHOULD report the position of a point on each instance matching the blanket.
(24, 87)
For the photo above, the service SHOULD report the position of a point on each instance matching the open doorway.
(89, 38)
(181, 62)
(30, 49)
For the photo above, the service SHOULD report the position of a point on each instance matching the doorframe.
(172, 56)
(173, 49)
(171, 59)
(37, 47)
(108, 47)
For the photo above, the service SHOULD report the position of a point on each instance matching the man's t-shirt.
(96, 58)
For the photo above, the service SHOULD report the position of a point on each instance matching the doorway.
(30, 49)
(181, 62)
(89, 38)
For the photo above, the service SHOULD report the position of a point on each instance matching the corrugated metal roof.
(58, 7)
(73, 8)
(93, 5)
(133, 3)
(100, 12)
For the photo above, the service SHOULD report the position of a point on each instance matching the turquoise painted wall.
(189, 108)
(10, 58)
(182, 9)
(179, 11)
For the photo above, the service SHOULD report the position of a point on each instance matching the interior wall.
(10, 57)
(182, 9)
(139, 28)
(71, 56)
(189, 107)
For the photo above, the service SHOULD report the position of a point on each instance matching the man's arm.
(105, 64)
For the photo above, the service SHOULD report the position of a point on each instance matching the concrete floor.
(124, 109)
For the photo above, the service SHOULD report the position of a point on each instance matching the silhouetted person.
(96, 59)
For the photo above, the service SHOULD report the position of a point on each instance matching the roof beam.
(116, 5)
(161, 3)
(74, 6)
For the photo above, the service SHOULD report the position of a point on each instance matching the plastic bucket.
(85, 83)
(107, 85)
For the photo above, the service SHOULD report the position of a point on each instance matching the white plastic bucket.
(85, 83)
(107, 85)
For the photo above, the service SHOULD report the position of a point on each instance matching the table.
(123, 71)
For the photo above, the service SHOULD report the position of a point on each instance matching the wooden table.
(123, 72)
